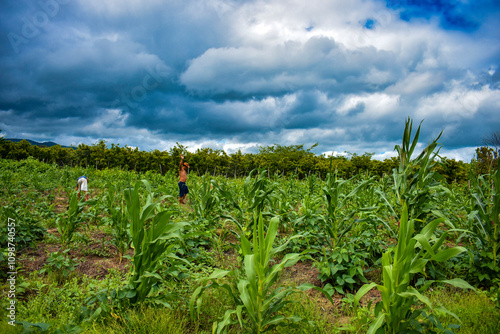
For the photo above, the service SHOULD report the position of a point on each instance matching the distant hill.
(32, 142)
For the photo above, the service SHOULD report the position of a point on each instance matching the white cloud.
(373, 105)
(464, 154)
(384, 155)
(460, 102)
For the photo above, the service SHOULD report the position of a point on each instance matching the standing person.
(183, 188)
(82, 185)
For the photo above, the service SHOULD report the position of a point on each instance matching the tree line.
(278, 160)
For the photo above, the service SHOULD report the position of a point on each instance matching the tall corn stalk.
(484, 217)
(414, 181)
(396, 312)
(151, 232)
(119, 221)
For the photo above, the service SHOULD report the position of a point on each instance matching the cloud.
(457, 103)
(236, 74)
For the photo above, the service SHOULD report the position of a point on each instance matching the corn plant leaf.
(439, 242)
(148, 274)
(376, 324)
(225, 321)
(276, 299)
(246, 247)
(251, 308)
(458, 282)
(418, 266)
(285, 244)
(429, 229)
(267, 246)
(448, 253)
(361, 292)
(250, 266)
(424, 241)
(444, 310)
(412, 292)
(288, 261)
(239, 310)
(276, 320)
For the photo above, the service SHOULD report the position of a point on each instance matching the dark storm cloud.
(231, 74)
(317, 63)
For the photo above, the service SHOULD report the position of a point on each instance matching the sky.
(239, 74)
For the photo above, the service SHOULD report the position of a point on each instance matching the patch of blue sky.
(453, 15)
(369, 24)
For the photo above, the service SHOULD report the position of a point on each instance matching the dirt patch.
(35, 258)
(97, 267)
(93, 260)
(303, 272)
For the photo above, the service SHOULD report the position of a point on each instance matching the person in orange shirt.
(183, 188)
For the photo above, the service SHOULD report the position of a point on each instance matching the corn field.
(254, 254)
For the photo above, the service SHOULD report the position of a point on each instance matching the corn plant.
(414, 181)
(206, 200)
(119, 221)
(257, 302)
(484, 222)
(338, 220)
(282, 205)
(257, 191)
(151, 232)
(256, 195)
(339, 264)
(398, 311)
(68, 223)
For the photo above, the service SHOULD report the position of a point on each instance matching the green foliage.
(397, 311)
(415, 180)
(342, 268)
(152, 233)
(119, 223)
(476, 311)
(68, 222)
(256, 195)
(484, 225)
(27, 230)
(206, 200)
(284, 161)
(347, 224)
(257, 302)
(59, 266)
(144, 320)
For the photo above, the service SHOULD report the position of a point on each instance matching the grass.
(145, 320)
(476, 310)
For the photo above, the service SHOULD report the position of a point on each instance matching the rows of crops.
(316, 255)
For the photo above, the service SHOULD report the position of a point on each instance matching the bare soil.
(94, 261)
